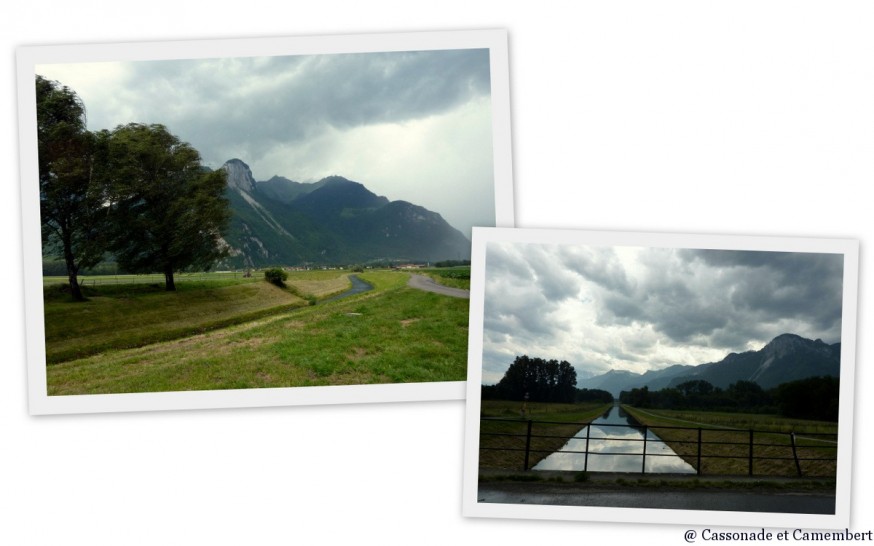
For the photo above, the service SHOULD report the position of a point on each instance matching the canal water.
(358, 286)
(615, 448)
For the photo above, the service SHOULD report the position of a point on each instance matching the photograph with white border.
(660, 378)
(195, 211)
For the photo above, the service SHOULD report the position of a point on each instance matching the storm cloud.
(638, 309)
(412, 125)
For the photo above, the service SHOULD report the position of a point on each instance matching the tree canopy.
(811, 398)
(538, 379)
(72, 211)
(168, 210)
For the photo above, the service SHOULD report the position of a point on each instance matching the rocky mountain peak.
(239, 175)
(784, 344)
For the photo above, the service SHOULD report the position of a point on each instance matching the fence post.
(699, 451)
(643, 456)
(795, 453)
(527, 444)
(751, 452)
(586, 458)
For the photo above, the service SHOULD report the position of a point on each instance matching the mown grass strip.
(726, 451)
(392, 334)
(123, 316)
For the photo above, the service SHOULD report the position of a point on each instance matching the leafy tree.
(276, 275)
(541, 380)
(748, 394)
(636, 397)
(169, 210)
(72, 208)
(811, 398)
(593, 395)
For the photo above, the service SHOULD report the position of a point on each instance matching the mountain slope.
(787, 357)
(332, 221)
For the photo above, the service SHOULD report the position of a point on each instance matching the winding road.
(427, 284)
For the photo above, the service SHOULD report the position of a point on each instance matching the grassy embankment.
(388, 335)
(545, 438)
(773, 442)
(133, 314)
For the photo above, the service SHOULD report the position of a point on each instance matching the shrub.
(276, 275)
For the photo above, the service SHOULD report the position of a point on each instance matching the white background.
(709, 117)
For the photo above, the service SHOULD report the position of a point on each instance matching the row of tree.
(540, 380)
(811, 398)
(137, 193)
(537, 380)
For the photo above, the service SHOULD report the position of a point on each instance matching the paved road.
(427, 284)
(742, 501)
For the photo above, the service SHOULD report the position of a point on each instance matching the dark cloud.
(522, 294)
(771, 286)
(413, 126)
(599, 265)
(554, 282)
(289, 99)
(699, 294)
(651, 307)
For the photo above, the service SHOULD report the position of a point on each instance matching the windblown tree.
(169, 212)
(541, 380)
(72, 208)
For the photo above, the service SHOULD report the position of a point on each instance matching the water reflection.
(615, 449)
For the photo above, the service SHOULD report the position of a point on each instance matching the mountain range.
(332, 221)
(787, 357)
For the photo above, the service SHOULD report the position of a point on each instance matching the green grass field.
(236, 334)
(456, 277)
(546, 438)
(152, 278)
(772, 448)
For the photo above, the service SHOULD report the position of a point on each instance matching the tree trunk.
(169, 285)
(72, 272)
(74, 287)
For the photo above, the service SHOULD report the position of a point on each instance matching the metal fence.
(798, 450)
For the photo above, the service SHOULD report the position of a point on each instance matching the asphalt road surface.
(741, 501)
(427, 284)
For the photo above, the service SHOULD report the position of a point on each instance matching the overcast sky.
(636, 309)
(415, 126)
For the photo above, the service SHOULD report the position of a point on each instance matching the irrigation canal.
(615, 443)
(420, 282)
(358, 287)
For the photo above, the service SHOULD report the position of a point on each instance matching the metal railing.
(750, 445)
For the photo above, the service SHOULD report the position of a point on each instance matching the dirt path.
(427, 284)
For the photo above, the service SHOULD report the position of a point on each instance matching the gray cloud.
(288, 99)
(648, 308)
(599, 265)
(412, 125)
(781, 285)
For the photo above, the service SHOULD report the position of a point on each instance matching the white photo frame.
(31, 56)
(474, 506)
